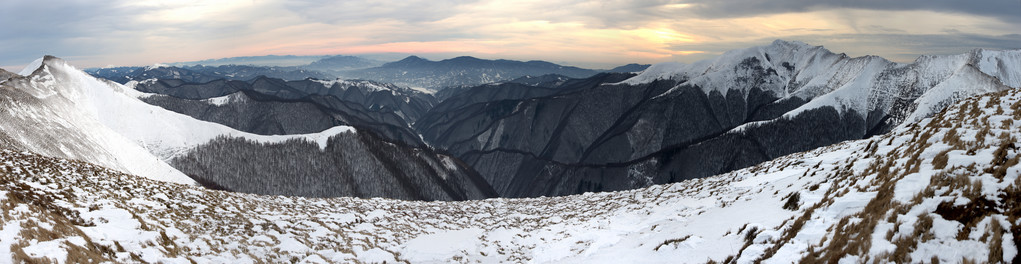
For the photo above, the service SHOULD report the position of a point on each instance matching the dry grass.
(940, 160)
(61, 228)
(906, 244)
(672, 242)
(953, 139)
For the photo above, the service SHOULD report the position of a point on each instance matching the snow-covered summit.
(865, 85)
(70, 114)
(34, 65)
(156, 66)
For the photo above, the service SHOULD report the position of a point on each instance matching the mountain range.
(412, 71)
(940, 189)
(53, 109)
(418, 72)
(785, 152)
(308, 105)
(547, 135)
(675, 122)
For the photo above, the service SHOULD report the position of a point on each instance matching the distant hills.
(418, 72)
(412, 71)
(267, 60)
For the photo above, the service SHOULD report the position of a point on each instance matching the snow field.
(858, 201)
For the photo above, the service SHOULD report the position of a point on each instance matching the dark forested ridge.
(549, 134)
(257, 113)
(357, 164)
(603, 133)
(385, 158)
(373, 96)
(591, 136)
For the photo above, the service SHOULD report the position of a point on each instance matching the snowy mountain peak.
(33, 66)
(865, 85)
(782, 42)
(780, 58)
(103, 122)
(156, 66)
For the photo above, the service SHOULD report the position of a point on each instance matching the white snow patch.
(31, 67)
(219, 101)
(442, 245)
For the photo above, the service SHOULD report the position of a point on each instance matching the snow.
(64, 111)
(374, 255)
(132, 129)
(344, 84)
(321, 138)
(862, 84)
(8, 231)
(438, 247)
(219, 101)
(289, 244)
(738, 215)
(31, 67)
(657, 71)
(156, 66)
(963, 82)
(48, 249)
(423, 90)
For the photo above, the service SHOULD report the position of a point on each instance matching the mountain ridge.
(941, 189)
(679, 121)
(75, 115)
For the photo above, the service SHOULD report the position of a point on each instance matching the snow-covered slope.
(60, 111)
(863, 84)
(946, 189)
(679, 121)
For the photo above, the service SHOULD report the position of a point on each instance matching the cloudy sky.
(597, 34)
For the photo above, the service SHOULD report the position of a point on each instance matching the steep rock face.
(675, 122)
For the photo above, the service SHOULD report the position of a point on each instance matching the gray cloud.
(895, 47)
(103, 33)
(343, 12)
(31, 28)
(1008, 10)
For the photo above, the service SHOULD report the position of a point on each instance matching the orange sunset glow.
(593, 34)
